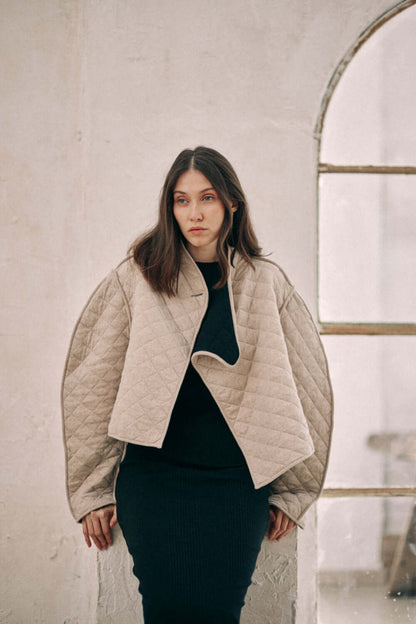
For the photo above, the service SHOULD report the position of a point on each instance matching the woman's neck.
(203, 254)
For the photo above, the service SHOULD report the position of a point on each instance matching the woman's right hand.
(97, 526)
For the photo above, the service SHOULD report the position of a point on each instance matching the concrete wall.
(97, 99)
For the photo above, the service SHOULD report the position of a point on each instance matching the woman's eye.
(181, 200)
(208, 197)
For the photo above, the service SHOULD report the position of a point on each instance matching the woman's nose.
(195, 211)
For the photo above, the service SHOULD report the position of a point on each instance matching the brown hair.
(158, 251)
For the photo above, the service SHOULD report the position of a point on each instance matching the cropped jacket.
(128, 356)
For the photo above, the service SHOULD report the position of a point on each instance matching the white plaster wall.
(97, 98)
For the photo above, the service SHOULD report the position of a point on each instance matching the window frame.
(357, 328)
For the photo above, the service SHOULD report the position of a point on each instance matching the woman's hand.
(280, 525)
(97, 526)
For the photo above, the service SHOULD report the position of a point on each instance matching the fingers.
(272, 522)
(113, 520)
(288, 530)
(85, 531)
(275, 529)
(97, 526)
(280, 525)
(91, 531)
(99, 530)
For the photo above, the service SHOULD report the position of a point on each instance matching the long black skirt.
(194, 534)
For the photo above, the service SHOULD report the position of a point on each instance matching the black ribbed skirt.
(194, 533)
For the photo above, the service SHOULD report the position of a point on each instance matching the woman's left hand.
(280, 524)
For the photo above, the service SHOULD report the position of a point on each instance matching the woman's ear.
(234, 205)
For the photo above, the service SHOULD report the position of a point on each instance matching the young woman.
(197, 404)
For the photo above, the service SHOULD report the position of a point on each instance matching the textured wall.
(271, 598)
(97, 98)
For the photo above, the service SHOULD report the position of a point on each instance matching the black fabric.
(159, 613)
(216, 333)
(194, 534)
(198, 433)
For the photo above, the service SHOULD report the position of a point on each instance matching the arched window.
(367, 311)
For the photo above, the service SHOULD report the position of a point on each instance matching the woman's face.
(199, 213)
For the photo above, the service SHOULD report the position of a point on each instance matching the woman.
(196, 398)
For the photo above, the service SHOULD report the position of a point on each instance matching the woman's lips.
(197, 230)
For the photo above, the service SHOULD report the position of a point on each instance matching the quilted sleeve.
(91, 378)
(296, 490)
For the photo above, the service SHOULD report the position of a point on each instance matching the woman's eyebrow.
(203, 191)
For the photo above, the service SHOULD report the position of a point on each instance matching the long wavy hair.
(158, 251)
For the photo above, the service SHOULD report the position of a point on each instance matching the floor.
(364, 605)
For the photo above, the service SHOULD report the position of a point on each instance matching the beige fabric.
(129, 354)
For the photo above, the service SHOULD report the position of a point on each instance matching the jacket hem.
(269, 480)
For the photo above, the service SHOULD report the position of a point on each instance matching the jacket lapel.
(217, 334)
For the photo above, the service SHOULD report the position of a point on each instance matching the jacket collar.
(191, 281)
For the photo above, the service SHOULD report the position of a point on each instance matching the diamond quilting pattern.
(296, 489)
(92, 375)
(121, 382)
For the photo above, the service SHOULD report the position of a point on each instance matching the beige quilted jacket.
(128, 356)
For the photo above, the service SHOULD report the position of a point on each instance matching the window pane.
(360, 558)
(370, 118)
(374, 439)
(367, 245)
